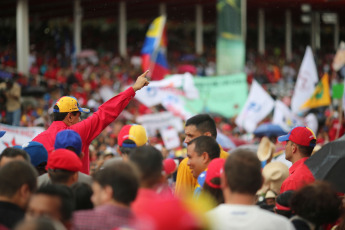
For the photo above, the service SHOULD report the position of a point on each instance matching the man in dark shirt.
(18, 182)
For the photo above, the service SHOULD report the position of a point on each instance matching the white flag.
(258, 105)
(284, 117)
(306, 80)
(158, 91)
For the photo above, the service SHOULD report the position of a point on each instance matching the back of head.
(122, 177)
(39, 223)
(283, 203)
(37, 152)
(317, 203)
(62, 165)
(204, 123)
(206, 144)
(11, 152)
(82, 196)
(65, 195)
(135, 133)
(15, 174)
(149, 161)
(243, 172)
(68, 139)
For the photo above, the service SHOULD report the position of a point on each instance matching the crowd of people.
(96, 169)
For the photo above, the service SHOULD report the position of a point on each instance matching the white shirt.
(249, 217)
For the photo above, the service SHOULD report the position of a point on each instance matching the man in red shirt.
(300, 143)
(67, 116)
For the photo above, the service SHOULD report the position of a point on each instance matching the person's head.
(317, 203)
(149, 161)
(63, 166)
(38, 155)
(200, 125)
(130, 137)
(242, 173)
(212, 180)
(68, 139)
(200, 152)
(282, 205)
(39, 223)
(117, 182)
(11, 154)
(18, 180)
(67, 109)
(300, 142)
(82, 196)
(52, 200)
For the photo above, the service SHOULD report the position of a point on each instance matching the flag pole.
(156, 46)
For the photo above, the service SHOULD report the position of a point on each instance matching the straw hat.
(274, 174)
(266, 149)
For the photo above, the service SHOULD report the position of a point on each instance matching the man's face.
(288, 150)
(44, 205)
(76, 118)
(195, 162)
(191, 132)
(5, 160)
(99, 196)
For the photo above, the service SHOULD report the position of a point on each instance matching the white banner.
(170, 138)
(306, 81)
(16, 135)
(158, 121)
(284, 117)
(258, 105)
(157, 91)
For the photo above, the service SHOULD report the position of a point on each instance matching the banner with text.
(224, 95)
(16, 135)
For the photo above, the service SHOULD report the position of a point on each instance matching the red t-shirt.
(299, 175)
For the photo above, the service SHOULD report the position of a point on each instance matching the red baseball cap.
(300, 135)
(214, 170)
(170, 166)
(64, 159)
(136, 133)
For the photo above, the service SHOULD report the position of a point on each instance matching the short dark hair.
(65, 195)
(14, 152)
(203, 123)
(149, 161)
(317, 202)
(82, 196)
(243, 172)
(59, 176)
(122, 177)
(61, 116)
(305, 150)
(206, 144)
(15, 174)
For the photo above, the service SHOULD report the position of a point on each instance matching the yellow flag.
(321, 96)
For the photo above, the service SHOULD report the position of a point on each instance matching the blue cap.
(38, 154)
(2, 133)
(68, 138)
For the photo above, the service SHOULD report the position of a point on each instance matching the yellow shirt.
(185, 182)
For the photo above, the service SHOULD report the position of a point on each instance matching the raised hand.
(141, 81)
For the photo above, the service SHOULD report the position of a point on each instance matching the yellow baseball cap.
(69, 104)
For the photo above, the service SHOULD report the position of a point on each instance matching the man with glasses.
(67, 116)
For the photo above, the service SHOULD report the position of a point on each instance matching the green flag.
(230, 44)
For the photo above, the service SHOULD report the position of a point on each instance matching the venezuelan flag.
(153, 51)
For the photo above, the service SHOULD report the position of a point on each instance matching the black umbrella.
(329, 164)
